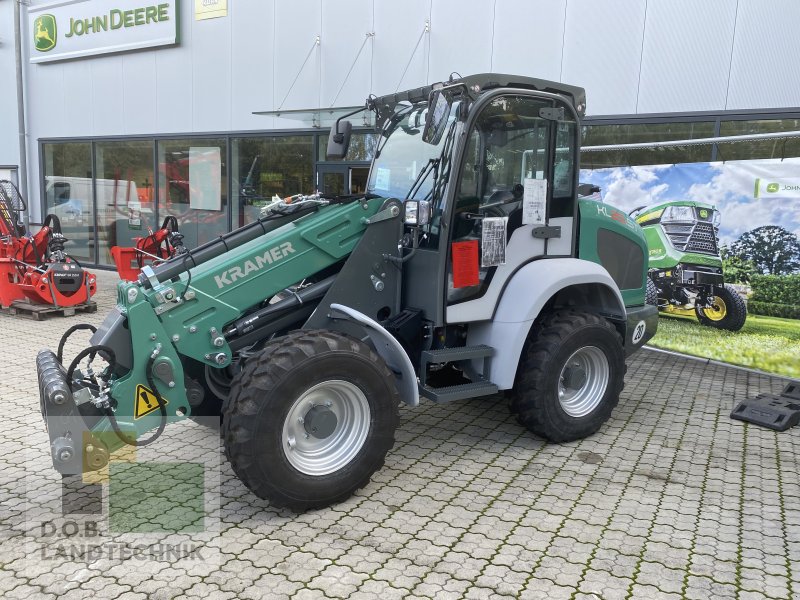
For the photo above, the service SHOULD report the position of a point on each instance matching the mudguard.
(524, 297)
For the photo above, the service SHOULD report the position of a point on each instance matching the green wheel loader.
(685, 267)
(468, 268)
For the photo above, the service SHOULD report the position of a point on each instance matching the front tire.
(570, 376)
(729, 310)
(310, 419)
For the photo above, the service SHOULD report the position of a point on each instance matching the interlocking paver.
(670, 499)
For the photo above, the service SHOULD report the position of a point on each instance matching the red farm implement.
(35, 270)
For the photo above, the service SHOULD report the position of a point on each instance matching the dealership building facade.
(202, 109)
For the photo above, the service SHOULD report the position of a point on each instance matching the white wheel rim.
(583, 381)
(320, 456)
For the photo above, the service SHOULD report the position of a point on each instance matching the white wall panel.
(106, 101)
(602, 51)
(397, 29)
(138, 93)
(211, 74)
(461, 38)
(9, 140)
(173, 80)
(251, 63)
(528, 38)
(45, 100)
(298, 25)
(686, 55)
(76, 92)
(765, 69)
(345, 24)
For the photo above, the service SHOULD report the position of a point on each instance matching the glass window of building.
(774, 148)
(264, 167)
(362, 147)
(634, 133)
(124, 189)
(68, 195)
(193, 187)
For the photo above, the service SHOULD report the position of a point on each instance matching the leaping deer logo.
(44, 36)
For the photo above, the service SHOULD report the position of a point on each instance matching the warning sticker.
(465, 264)
(493, 241)
(534, 201)
(145, 402)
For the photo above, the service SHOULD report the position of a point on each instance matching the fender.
(525, 296)
(389, 349)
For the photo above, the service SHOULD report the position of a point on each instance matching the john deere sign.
(90, 27)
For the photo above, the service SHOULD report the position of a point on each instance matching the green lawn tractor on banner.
(685, 267)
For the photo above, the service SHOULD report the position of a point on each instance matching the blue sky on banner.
(729, 186)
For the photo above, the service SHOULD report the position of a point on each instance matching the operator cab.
(487, 169)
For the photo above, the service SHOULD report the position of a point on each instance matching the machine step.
(444, 355)
(458, 392)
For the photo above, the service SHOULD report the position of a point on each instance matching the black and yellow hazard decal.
(145, 402)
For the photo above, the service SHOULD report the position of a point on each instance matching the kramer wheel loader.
(468, 268)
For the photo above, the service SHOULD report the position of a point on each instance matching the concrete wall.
(633, 56)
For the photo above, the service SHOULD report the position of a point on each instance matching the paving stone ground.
(671, 499)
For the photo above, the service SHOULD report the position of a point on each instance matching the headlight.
(716, 219)
(417, 212)
(678, 213)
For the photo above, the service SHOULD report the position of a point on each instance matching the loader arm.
(157, 324)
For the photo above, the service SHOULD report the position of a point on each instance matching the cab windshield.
(402, 157)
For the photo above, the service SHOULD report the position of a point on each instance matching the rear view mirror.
(339, 140)
(439, 105)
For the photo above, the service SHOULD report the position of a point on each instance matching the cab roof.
(479, 84)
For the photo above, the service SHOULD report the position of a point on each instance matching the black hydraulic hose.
(170, 223)
(111, 357)
(91, 350)
(56, 223)
(249, 322)
(162, 409)
(69, 332)
(180, 264)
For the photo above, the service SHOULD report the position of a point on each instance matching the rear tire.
(570, 376)
(310, 419)
(729, 311)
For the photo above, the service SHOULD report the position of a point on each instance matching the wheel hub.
(326, 427)
(320, 422)
(583, 381)
(718, 309)
(574, 376)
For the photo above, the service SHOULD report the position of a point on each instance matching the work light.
(673, 214)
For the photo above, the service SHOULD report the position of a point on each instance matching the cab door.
(515, 179)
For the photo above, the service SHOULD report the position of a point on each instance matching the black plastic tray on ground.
(768, 410)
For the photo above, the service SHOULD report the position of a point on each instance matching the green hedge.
(778, 289)
(773, 309)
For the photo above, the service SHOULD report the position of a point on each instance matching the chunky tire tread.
(533, 400)
(256, 404)
(737, 310)
(651, 293)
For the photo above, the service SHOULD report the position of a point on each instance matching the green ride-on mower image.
(469, 267)
(685, 271)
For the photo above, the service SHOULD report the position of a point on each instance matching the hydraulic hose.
(183, 262)
(69, 332)
(111, 357)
